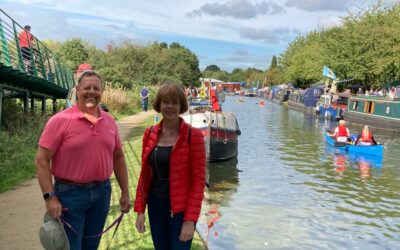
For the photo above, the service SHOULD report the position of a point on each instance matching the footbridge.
(30, 72)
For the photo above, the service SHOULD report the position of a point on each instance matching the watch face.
(48, 195)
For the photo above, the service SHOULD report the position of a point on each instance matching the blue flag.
(328, 73)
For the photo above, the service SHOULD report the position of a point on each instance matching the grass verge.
(17, 153)
(127, 236)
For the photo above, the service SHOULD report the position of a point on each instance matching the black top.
(159, 161)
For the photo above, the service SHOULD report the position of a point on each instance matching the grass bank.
(127, 236)
(18, 146)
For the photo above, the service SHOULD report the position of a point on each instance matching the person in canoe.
(341, 132)
(365, 138)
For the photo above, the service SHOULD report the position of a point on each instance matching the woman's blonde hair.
(342, 122)
(366, 129)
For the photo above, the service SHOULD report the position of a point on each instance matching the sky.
(228, 33)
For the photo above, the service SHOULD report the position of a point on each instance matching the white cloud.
(320, 5)
(241, 9)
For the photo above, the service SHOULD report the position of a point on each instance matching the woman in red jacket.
(172, 177)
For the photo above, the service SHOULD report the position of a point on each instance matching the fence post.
(20, 60)
(51, 76)
(43, 105)
(43, 70)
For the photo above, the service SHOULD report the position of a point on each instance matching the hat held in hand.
(52, 234)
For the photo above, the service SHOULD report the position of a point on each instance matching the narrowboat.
(220, 130)
(332, 106)
(375, 111)
(305, 101)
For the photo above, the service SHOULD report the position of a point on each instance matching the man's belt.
(90, 184)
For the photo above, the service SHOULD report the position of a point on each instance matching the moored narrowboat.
(375, 111)
(306, 100)
(332, 106)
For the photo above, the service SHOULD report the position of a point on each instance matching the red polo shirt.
(83, 152)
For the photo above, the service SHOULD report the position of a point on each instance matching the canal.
(288, 189)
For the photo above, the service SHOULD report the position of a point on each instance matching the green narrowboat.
(375, 111)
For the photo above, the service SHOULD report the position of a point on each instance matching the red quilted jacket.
(187, 171)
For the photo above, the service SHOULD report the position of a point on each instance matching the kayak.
(376, 150)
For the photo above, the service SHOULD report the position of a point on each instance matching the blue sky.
(228, 33)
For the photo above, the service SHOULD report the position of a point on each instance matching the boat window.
(355, 105)
(369, 107)
(397, 93)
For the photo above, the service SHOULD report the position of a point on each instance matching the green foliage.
(274, 76)
(74, 52)
(129, 65)
(366, 48)
(274, 63)
(212, 68)
(18, 143)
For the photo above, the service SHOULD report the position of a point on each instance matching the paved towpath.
(22, 209)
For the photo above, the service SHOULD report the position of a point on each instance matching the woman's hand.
(140, 223)
(187, 231)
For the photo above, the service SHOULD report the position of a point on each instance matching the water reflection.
(223, 181)
(297, 193)
(366, 165)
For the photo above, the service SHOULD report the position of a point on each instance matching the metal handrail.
(43, 63)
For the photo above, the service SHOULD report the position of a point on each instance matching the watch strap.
(48, 195)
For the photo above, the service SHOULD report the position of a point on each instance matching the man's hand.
(53, 207)
(187, 231)
(125, 203)
(140, 223)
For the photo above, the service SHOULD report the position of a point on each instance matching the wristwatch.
(48, 195)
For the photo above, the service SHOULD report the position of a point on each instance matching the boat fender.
(238, 132)
(387, 110)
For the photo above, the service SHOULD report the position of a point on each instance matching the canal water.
(288, 189)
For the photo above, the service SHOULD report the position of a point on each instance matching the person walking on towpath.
(144, 95)
(81, 147)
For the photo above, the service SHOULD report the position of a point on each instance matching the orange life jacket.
(366, 137)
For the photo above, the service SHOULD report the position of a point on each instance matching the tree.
(212, 67)
(74, 52)
(274, 63)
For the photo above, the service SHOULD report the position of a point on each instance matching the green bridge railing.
(43, 69)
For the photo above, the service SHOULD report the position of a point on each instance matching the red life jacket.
(342, 131)
(366, 137)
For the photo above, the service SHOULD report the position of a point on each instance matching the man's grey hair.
(88, 73)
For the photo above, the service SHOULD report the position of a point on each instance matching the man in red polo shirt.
(81, 148)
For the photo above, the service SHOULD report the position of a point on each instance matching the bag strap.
(190, 135)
